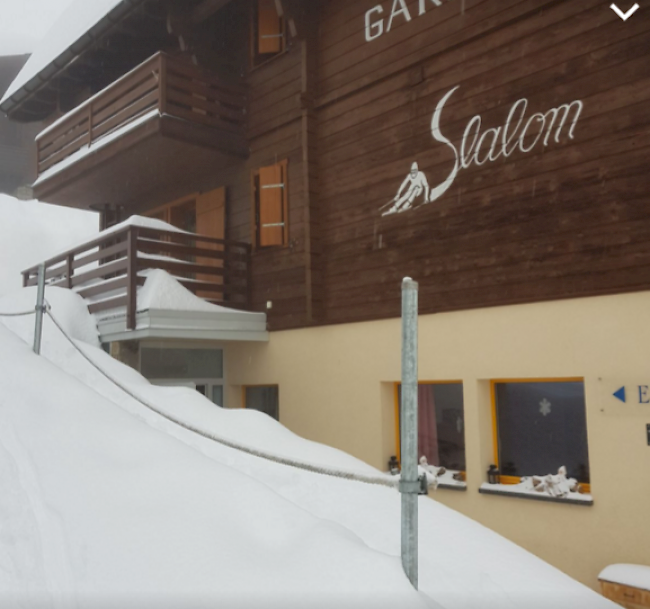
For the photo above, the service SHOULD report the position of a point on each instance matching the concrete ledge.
(452, 487)
(540, 497)
(224, 325)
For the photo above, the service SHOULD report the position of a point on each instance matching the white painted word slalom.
(379, 21)
(520, 133)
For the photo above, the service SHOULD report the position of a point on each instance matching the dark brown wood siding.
(564, 220)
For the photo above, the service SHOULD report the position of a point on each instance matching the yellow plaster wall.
(336, 387)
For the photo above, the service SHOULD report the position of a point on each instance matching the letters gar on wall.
(494, 151)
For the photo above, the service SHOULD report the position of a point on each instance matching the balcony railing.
(162, 85)
(108, 270)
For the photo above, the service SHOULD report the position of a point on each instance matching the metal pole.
(40, 308)
(409, 484)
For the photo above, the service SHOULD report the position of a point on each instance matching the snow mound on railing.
(33, 232)
(162, 291)
(72, 313)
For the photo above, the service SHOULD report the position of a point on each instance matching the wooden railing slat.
(74, 133)
(100, 273)
(231, 284)
(127, 115)
(158, 233)
(103, 288)
(66, 151)
(112, 303)
(125, 91)
(212, 106)
(113, 250)
(175, 249)
(81, 249)
(187, 70)
(109, 110)
(200, 88)
(173, 86)
(195, 117)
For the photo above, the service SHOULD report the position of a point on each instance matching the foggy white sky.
(23, 23)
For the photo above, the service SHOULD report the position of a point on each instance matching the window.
(180, 213)
(264, 399)
(268, 29)
(540, 426)
(200, 369)
(441, 427)
(271, 206)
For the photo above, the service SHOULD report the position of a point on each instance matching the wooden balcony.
(163, 125)
(108, 271)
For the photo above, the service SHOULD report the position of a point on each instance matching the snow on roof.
(637, 576)
(75, 21)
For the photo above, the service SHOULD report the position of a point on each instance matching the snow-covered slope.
(106, 504)
(31, 232)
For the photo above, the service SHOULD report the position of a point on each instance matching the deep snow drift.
(106, 504)
(32, 232)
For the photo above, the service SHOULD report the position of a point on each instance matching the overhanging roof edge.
(62, 61)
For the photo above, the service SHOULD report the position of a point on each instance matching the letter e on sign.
(374, 29)
(644, 398)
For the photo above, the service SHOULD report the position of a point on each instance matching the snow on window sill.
(457, 486)
(446, 481)
(515, 490)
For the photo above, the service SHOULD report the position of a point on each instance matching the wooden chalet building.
(496, 152)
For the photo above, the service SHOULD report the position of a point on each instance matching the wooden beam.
(206, 9)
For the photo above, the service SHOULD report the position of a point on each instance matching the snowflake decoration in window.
(545, 407)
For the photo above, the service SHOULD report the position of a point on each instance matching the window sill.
(504, 491)
(446, 486)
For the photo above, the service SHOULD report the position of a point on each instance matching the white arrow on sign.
(621, 14)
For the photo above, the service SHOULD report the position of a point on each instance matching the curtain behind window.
(427, 425)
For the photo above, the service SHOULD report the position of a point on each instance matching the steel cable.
(376, 480)
(24, 314)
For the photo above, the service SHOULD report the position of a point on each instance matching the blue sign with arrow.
(620, 394)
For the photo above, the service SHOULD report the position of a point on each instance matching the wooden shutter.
(211, 222)
(269, 28)
(272, 199)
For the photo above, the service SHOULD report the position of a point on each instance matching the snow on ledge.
(166, 309)
(95, 146)
(522, 490)
(162, 292)
(637, 576)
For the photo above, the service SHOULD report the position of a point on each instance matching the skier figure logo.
(414, 186)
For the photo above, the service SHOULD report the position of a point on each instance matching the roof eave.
(72, 53)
